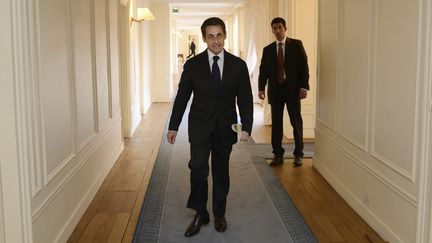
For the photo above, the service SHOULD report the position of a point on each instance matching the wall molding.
(424, 214)
(409, 174)
(354, 142)
(72, 95)
(59, 168)
(21, 66)
(108, 39)
(67, 176)
(356, 204)
(94, 74)
(339, 69)
(35, 110)
(375, 173)
(339, 90)
(79, 211)
(372, 100)
(71, 75)
(371, 84)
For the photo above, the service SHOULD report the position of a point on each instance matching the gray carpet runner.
(258, 208)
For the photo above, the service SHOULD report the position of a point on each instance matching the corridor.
(113, 214)
(86, 87)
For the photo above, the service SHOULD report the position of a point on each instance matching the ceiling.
(192, 13)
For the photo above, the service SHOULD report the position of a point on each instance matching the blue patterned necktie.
(216, 75)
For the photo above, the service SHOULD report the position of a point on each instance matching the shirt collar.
(221, 55)
(283, 42)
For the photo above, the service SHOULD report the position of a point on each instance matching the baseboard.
(367, 215)
(79, 211)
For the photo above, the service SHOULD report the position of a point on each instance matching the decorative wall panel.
(56, 90)
(396, 84)
(101, 48)
(84, 91)
(353, 85)
(327, 59)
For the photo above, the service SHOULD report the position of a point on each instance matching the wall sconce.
(143, 14)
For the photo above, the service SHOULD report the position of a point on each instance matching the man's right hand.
(171, 136)
(261, 94)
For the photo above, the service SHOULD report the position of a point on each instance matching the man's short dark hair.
(278, 20)
(212, 21)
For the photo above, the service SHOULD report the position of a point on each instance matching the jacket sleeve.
(183, 95)
(263, 72)
(303, 67)
(245, 100)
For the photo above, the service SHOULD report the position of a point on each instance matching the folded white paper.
(237, 128)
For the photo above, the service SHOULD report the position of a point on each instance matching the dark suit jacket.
(296, 69)
(210, 105)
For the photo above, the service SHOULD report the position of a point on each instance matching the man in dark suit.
(284, 68)
(217, 80)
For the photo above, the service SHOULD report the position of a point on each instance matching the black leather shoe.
(276, 161)
(297, 161)
(196, 224)
(220, 224)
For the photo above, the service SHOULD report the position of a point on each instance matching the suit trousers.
(293, 104)
(199, 171)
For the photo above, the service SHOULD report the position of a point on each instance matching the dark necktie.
(281, 68)
(216, 75)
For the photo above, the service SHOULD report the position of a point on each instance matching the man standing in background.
(284, 68)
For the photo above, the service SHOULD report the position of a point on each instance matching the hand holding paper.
(242, 135)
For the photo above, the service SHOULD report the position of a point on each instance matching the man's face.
(215, 38)
(279, 31)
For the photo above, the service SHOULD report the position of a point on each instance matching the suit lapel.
(287, 50)
(273, 56)
(273, 52)
(226, 68)
(205, 64)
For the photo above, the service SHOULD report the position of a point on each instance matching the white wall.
(15, 216)
(148, 66)
(135, 70)
(136, 67)
(63, 101)
(162, 80)
(370, 140)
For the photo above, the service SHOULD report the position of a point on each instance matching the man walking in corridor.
(192, 48)
(284, 68)
(217, 80)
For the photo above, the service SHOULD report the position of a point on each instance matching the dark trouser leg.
(294, 112)
(221, 181)
(277, 108)
(199, 170)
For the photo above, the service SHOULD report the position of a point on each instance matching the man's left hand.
(244, 136)
(302, 93)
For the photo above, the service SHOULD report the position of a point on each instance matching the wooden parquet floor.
(113, 214)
